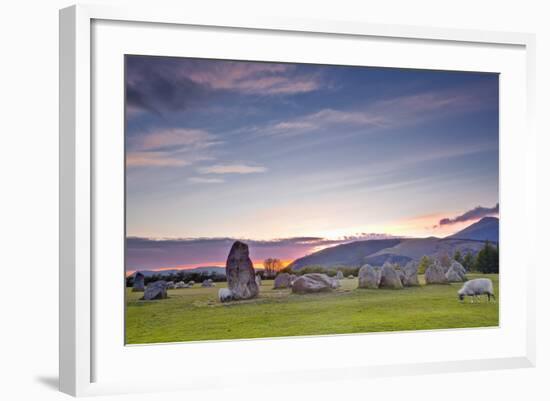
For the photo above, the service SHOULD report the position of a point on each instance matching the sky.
(299, 157)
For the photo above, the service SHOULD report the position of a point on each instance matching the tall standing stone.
(139, 282)
(241, 278)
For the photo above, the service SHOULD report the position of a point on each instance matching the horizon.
(258, 263)
(271, 152)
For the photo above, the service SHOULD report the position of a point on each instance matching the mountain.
(350, 254)
(485, 229)
(377, 252)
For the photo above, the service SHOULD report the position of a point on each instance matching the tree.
(487, 259)
(469, 261)
(272, 266)
(458, 257)
(425, 261)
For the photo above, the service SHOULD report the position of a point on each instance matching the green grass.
(195, 314)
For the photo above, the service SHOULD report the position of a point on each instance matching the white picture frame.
(79, 232)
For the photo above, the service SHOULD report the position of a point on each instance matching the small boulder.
(155, 290)
(240, 274)
(170, 285)
(313, 283)
(225, 295)
(369, 277)
(410, 271)
(435, 274)
(282, 281)
(208, 283)
(389, 278)
(351, 276)
(139, 282)
(339, 275)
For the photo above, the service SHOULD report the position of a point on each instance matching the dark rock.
(155, 290)
(241, 277)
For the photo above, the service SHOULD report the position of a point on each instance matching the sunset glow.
(296, 158)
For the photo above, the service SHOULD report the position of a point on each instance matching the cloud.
(176, 138)
(171, 84)
(176, 147)
(204, 180)
(154, 159)
(232, 169)
(250, 77)
(393, 112)
(473, 214)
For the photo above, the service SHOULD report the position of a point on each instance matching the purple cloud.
(473, 214)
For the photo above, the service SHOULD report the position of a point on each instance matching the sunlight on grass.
(196, 314)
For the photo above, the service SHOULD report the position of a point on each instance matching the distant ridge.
(201, 269)
(485, 229)
(349, 254)
(377, 252)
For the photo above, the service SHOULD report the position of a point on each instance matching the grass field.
(191, 314)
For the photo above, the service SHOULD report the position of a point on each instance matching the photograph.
(266, 199)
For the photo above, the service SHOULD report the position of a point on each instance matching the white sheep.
(225, 295)
(476, 287)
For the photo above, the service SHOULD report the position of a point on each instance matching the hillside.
(351, 254)
(485, 229)
(377, 252)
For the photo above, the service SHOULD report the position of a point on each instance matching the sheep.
(476, 287)
(225, 295)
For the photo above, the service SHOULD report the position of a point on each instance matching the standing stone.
(411, 274)
(389, 278)
(369, 277)
(139, 282)
(339, 275)
(282, 281)
(258, 280)
(241, 278)
(312, 283)
(435, 274)
(456, 273)
(156, 290)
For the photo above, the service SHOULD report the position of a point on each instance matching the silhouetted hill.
(485, 229)
(351, 254)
